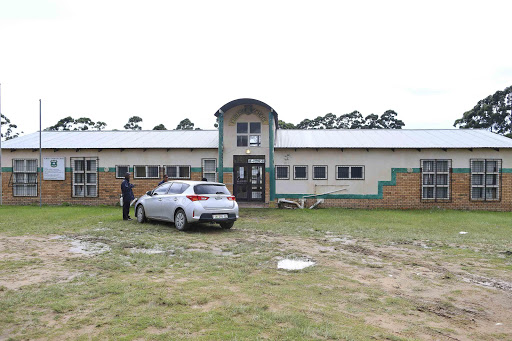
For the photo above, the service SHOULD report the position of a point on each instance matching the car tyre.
(227, 225)
(141, 215)
(180, 220)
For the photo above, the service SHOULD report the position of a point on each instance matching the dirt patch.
(34, 260)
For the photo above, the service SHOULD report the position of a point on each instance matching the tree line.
(493, 113)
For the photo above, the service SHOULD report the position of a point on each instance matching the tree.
(82, 123)
(65, 123)
(353, 120)
(284, 125)
(493, 112)
(8, 133)
(185, 124)
(160, 127)
(133, 123)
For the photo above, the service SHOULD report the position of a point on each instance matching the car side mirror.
(149, 193)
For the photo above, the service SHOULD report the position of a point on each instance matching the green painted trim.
(460, 170)
(221, 148)
(271, 155)
(506, 170)
(227, 169)
(112, 169)
(267, 169)
(379, 194)
(7, 169)
(196, 169)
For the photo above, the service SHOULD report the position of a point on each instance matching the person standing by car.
(126, 189)
(166, 178)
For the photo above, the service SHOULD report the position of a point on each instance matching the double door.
(249, 181)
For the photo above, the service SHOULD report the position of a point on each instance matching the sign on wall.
(248, 110)
(54, 168)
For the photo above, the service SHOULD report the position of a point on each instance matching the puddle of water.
(87, 248)
(294, 264)
(147, 251)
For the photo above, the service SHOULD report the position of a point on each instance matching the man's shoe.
(129, 219)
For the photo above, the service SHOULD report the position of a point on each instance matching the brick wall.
(406, 194)
(58, 192)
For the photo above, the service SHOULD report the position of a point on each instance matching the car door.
(152, 203)
(171, 200)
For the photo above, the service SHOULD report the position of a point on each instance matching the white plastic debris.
(499, 324)
(463, 232)
(294, 264)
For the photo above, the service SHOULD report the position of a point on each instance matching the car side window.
(162, 189)
(176, 188)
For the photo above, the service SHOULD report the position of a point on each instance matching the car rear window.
(211, 189)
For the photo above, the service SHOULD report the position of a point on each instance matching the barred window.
(300, 172)
(485, 179)
(121, 171)
(84, 176)
(24, 177)
(435, 179)
(248, 134)
(178, 172)
(319, 172)
(146, 172)
(282, 172)
(349, 172)
(210, 169)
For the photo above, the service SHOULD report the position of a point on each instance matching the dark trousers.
(126, 210)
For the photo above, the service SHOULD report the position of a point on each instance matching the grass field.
(395, 275)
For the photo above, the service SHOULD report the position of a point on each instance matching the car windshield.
(211, 189)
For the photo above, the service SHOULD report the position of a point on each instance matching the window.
(282, 172)
(162, 189)
(24, 178)
(85, 176)
(146, 172)
(300, 172)
(319, 172)
(248, 134)
(178, 188)
(349, 172)
(435, 179)
(210, 169)
(178, 172)
(121, 171)
(485, 179)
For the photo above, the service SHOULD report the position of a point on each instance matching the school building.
(357, 168)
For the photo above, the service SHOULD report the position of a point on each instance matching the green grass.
(193, 292)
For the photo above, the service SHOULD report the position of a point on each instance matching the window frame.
(203, 172)
(326, 172)
(294, 173)
(117, 171)
(498, 186)
(25, 184)
(178, 171)
(249, 134)
(84, 172)
(146, 177)
(350, 172)
(288, 172)
(435, 185)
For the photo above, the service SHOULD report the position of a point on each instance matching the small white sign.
(54, 168)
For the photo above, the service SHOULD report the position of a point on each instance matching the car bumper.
(208, 218)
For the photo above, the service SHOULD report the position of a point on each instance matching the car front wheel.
(180, 220)
(141, 215)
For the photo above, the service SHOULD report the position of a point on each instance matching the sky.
(164, 61)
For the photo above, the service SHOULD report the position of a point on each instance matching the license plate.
(220, 216)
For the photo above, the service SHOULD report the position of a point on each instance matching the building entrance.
(249, 177)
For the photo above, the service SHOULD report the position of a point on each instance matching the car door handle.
(175, 199)
(160, 199)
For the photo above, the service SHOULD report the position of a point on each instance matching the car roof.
(192, 183)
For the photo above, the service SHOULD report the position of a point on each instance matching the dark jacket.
(126, 189)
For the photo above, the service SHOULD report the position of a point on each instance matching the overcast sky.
(430, 61)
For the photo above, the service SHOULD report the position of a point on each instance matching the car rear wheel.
(227, 225)
(180, 220)
(141, 215)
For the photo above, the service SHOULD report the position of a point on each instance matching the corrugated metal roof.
(117, 139)
(390, 138)
(318, 138)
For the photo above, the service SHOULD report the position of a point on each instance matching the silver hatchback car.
(187, 202)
